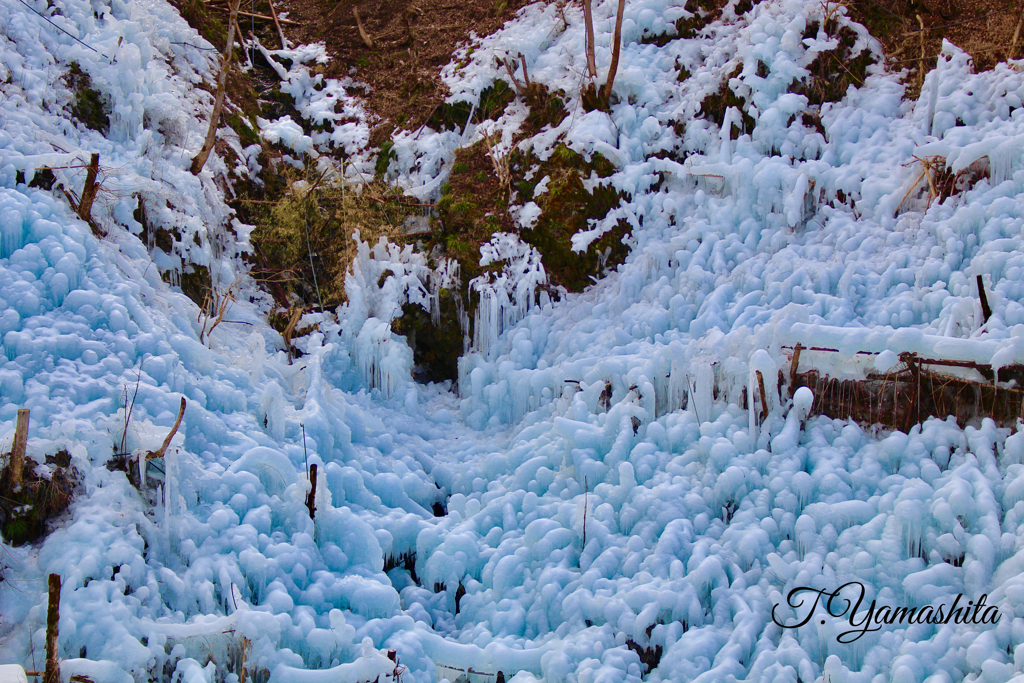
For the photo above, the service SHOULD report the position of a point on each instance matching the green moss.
(196, 283)
(88, 105)
(435, 348)
(245, 129)
(704, 12)
(25, 512)
(566, 209)
(714, 106)
(492, 104)
(834, 71)
(387, 153)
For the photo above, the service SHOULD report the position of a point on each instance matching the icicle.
(704, 380)
(12, 233)
(141, 454)
(469, 120)
(731, 117)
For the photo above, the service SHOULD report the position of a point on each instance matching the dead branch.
(515, 82)
(222, 81)
(256, 15)
(277, 23)
(159, 453)
(362, 32)
(289, 330)
(215, 305)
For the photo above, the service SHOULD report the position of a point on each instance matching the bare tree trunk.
(52, 672)
(616, 49)
(222, 81)
(588, 20)
(18, 449)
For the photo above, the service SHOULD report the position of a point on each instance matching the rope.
(62, 30)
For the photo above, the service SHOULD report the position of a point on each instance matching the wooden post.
(986, 310)
(764, 398)
(89, 191)
(311, 498)
(793, 368)
(52, 672)
(18, 449)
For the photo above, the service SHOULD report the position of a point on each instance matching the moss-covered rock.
(26, 510)
(88, 106)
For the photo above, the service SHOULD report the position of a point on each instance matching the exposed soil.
(983, 28)
(413, 40)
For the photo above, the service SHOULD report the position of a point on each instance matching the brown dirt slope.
(986, 29)
(413, 40)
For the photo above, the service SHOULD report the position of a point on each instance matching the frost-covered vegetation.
(617, 482)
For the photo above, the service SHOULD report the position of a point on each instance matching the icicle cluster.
(505, 297)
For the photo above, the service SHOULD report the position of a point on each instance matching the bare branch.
(222, 81)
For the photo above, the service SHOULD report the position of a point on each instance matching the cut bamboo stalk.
(52, 672)
(18, 449)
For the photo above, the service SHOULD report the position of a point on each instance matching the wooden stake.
(362, 31)
(793, 368)
(273, 13)
(89, 191)
(52, 673)
(986, 310)
(764, 398)
(311, 498)
(18, 449)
